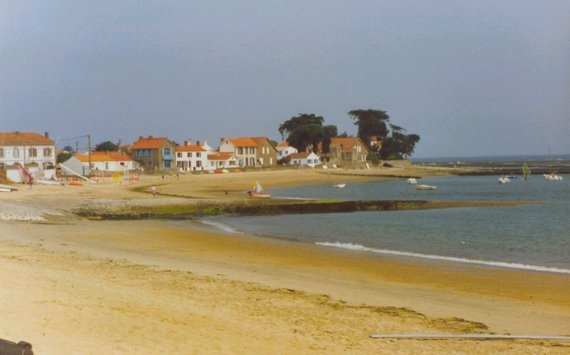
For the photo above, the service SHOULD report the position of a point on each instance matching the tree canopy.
(370, 123)
(396, 144)
(106, 146)
(306, 131)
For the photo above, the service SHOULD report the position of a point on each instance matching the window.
(198, 154)
(1, 152)
(33, 152)
(16, 153)
(189, 155)
(166, 152)
(179, 155)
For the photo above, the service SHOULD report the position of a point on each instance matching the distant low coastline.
(498, 165)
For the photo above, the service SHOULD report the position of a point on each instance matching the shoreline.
(129, 280)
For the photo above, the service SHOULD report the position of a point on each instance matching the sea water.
(533, 236)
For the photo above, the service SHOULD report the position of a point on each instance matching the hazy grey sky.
(470, 77)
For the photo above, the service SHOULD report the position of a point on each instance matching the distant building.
(154, 153)
(250, 151)
(27, 149)
(284, 150)
(106, 162)
(217, 161)
(348, 150)
(192, 157)
(308, 159)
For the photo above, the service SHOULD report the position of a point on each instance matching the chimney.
(198, 143)
(141, 138)
(187, 142)
(46, 134)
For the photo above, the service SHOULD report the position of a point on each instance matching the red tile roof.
(149, 143)
(220, 156)
(346, 143)
(302, 155)
(102, 157)
(190, 148)
(24, 138)
(243, 142)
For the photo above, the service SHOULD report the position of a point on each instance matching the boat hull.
(425, 187)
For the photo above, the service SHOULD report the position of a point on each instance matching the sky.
(471, 78)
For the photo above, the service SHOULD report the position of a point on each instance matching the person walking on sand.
(153, 190)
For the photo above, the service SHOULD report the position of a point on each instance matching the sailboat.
(258, 191)
(552, 176)
(525, 171)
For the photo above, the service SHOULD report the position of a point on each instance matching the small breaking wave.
(220, 226)
(358, 247)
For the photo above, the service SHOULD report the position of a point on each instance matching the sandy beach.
(78, 286)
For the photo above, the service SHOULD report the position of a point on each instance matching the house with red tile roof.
(27, 149)
(348, 150)
(192, 157)
(284, 150)
(221, 161)
(307, 159)
(107, 162)
(155, 154)
(250, 151)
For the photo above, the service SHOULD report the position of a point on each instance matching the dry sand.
(73, 286)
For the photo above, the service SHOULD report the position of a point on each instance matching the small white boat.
(7, 188)
(412, 181)
(258, 191)
(552, 177)
(426, 187)
(340, 186)
(504, 180)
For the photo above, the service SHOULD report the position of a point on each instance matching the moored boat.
(425, 187)
(504, 180)
(258, 191)
(552, 177)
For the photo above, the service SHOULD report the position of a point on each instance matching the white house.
(26, 148)
(309, 159)
(222, 160)
(106, 162)
(284, 150)
(192, 157)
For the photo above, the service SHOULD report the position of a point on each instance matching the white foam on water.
(220, 226)
(358, 247)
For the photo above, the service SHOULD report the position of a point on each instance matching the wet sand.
(77, 286)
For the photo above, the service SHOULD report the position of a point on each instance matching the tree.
(303, 119)
(370, 123)
(329, 131)
(305, 131)
(396, 144)
(63, 156)
(106, 146)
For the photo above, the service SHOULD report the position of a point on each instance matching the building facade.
(250, 151)
(155, 154)
(27, 149)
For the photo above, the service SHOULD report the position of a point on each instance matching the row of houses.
(156, 154)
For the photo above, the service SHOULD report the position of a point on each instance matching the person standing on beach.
(153, 190)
